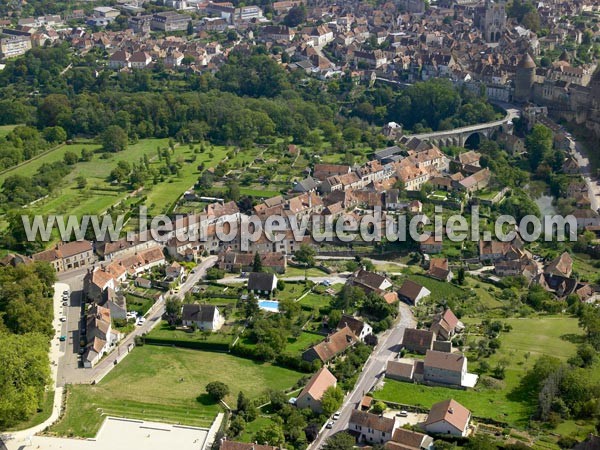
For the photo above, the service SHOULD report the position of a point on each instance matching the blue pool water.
(269, 305)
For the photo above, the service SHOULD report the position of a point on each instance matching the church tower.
(494, 20)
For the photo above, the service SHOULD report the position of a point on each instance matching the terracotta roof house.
(448, 417)
(445, 325)
(98, 335)
(561, 265)
(311, 395)
(67, 256)
(323, 171)
(418, 341)
(331, 346)
(431, 245)
(470, 157)
(359, 327)
(404, 439)
(438, 269)
(476, 182)
(412, 292)
(371, 428)
(365, 403)
(96, 281)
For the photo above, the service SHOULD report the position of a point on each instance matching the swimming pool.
(269, 305)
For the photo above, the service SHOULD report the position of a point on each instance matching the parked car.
(336, 415)
(402, 414)
(329, 425)
(62, 338)
(67, 293)
(63, 319)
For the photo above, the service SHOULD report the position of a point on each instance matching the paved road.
(373, 371)
(196, 275)
(586, 171)
(69, 370)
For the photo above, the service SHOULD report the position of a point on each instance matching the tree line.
(26, 313)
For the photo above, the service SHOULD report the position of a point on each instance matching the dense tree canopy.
(25, 329)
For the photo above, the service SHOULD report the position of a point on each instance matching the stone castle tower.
(524, 79)
(493, 21)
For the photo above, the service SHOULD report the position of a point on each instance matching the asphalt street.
(69, 370)
(373, 371)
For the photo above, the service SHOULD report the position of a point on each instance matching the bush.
(378, 408)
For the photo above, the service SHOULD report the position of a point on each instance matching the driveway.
(373, 371)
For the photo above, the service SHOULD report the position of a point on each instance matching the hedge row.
(196, 345)
(283, 360)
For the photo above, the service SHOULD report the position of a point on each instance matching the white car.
(336, 415)
(329, 425)
(63, 319)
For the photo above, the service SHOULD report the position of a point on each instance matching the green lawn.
(163, 331)
(532, 336)
(250, 192)
(300, 272)
(147, 385)
(138, 304)
(439, 289)
(316, 300)
(304, 341)
(291, 291)
(252, 428)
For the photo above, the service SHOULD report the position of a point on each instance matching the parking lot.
(69, 364)
(410, 419)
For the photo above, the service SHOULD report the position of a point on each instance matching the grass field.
(299, 272)
(291, 291)
(148, 385)
(533, 336)
(305, 340)
(163, 331)
(439, 289)
(316, 300)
